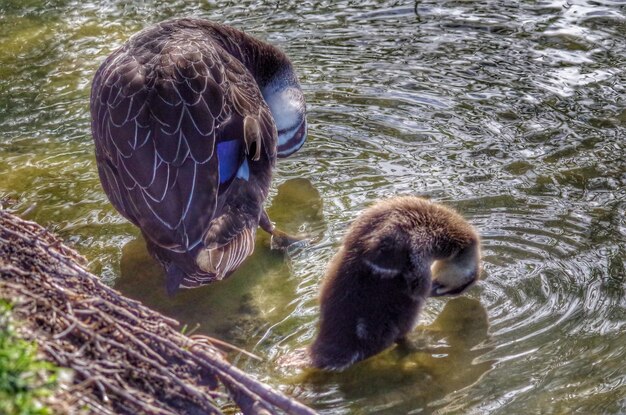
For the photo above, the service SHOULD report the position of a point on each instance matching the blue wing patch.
(229, 157)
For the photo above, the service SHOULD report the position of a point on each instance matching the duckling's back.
(376, 284)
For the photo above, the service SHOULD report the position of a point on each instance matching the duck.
(396, 254)
(188, 118)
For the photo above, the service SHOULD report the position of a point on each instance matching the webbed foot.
(282, 240)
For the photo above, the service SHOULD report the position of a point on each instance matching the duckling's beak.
(438, 290)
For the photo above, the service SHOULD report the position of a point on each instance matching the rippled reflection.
(511, 112)
(440, 359)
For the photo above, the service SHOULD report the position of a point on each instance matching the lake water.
(512, 112)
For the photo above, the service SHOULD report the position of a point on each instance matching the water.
(512, 112)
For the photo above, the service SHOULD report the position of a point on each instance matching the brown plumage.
(188, 118)
(378, 281)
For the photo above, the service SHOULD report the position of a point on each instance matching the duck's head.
(285, 99)
(456, 273)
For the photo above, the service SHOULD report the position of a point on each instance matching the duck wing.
(160, 106)
(229, 239)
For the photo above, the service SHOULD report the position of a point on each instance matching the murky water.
(512, 112)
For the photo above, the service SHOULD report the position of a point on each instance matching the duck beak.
(439, 290)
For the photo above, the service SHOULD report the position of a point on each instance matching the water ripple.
(511, 112)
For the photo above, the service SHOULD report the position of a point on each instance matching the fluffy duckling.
(188, 118)
(396, 254)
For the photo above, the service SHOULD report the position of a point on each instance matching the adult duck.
(394, 256)
(188, 118)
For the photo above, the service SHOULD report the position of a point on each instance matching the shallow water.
(512, 112)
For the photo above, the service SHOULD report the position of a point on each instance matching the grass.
(25, 379)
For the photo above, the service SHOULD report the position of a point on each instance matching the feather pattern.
(186, 142)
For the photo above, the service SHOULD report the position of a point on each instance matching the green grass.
(24, 378)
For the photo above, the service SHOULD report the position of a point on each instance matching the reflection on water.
(511, 112)
(441, 358)
(244, 302)
(228, 309)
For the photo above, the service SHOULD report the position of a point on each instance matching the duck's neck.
(277, 81)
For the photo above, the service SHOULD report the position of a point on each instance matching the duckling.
(394, 256)
(188, 118)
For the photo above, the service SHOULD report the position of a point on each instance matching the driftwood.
(125, 357)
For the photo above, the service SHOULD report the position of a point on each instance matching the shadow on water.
(440, 358)
(254, 295)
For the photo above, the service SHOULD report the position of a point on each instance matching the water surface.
(512, 112)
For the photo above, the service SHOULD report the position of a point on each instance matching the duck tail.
(174, 277)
